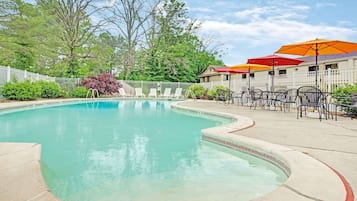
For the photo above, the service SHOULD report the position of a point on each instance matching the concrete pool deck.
(333, 142)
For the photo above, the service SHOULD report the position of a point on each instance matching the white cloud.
(325, 4)
(267, 27)
(269, 32)
(201, 10)
(255, 13)
(273, 12)
(344, 23)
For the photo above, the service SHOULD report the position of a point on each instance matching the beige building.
(333, 71)
(210, 75)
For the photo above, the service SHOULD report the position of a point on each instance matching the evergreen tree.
(26, 37)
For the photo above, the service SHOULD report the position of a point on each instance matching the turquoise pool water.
(136, 150)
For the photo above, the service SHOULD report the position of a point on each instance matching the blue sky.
(254, 28)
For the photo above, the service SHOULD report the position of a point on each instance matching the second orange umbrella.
(249, 68)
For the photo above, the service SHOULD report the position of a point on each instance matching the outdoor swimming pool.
(136, 150)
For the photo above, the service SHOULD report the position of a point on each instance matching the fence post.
(158, 87)
(351, 74)
(25, 74)
(8, 74)
(329, 81)
(351, 81)
(37, 76)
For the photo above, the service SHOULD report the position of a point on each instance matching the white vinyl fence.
(327, 80)
(8, 74)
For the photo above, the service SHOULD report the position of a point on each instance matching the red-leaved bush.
(105, 83)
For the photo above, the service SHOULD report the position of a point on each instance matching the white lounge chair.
(167, 93)
(178, 93)
(139, 92)
(152, 93)
(122, 92)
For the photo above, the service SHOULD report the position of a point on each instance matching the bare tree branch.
(129, 17)
(75, 17)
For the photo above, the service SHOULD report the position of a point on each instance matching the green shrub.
(21, 91)
(79, 92)
(345, 91)
(198, 90)
(212, 93)
(50, 89)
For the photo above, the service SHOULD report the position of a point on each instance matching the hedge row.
(40, 89)
(105, 83)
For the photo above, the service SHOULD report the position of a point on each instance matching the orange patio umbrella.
(318, 47)
(249, 68)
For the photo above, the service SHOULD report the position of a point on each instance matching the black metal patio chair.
(241, 97)
(276, 98)
(288, 98)
(255, 97)
(313, 98)
(265, 99)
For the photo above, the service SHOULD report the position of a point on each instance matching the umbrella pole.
(249, 79)
(229, 87)
(229, 82)
(272, 77)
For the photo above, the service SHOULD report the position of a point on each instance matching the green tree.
(17, 43)
(156, 40)
(23, 60)
(104, 52)
(174, 53)
(26, 36)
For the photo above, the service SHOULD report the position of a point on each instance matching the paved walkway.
(330, 141)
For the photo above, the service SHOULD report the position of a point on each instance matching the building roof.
(210, 70)
(329, 57)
